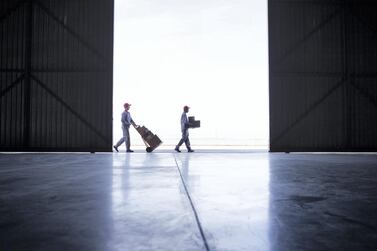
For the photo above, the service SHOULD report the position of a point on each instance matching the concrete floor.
(228, 201)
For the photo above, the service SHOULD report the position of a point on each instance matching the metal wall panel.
(323, 72)
(56, 75)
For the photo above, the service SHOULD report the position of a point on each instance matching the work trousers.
(185, 139)
(125, 138)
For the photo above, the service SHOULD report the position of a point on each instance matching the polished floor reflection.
(202, 201)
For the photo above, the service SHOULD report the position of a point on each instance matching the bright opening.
(210, 55)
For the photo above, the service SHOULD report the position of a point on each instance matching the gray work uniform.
(126, 122)
(185, 133)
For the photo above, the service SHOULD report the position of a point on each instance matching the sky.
(211, 55)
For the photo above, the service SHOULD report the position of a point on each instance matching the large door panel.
(323, 72)
(56, 75)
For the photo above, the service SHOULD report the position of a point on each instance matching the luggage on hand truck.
(151, 141)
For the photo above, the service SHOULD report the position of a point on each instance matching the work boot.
(190, 150)
(116, 149)
(129, 151)
(177, 149)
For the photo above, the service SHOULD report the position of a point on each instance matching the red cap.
(126, 105)
(186, 107)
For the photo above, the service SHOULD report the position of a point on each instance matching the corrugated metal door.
(56, 75)
(323, 62)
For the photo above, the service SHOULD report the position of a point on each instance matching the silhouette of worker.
(184, 128)
(126, 122)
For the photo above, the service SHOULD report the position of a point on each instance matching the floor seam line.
(192, 207)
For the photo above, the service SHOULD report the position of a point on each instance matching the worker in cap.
(184, 129)
(126, 122)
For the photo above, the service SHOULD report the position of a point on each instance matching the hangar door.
(323, 75)
(56, 75)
